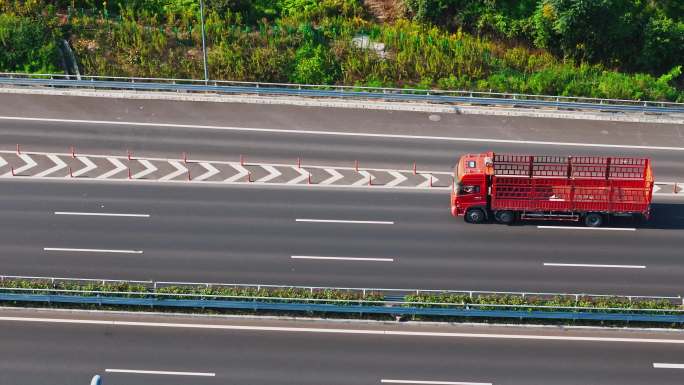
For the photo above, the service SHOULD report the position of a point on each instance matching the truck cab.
(470, 189)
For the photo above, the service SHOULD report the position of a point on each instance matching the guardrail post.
(414, 167)
(356, 165)
(18, 149)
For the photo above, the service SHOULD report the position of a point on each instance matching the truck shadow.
(665, 216)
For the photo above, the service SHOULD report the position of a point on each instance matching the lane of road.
(250, 235)
(216, 351)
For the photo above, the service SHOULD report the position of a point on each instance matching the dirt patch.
(385, 10)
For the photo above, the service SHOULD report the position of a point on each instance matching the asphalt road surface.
(68, 349)
(252, 234)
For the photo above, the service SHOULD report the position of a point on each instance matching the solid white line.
(160, 372)
(660, 365)
(343, 258)
(588, 228)
(385, 381)
(345, 221)
(101, 214)
(533, 337)
(93, 250)
(589, 265)
(342, 133)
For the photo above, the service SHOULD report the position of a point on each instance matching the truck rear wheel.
(593, 220)
(475, 216)
(505, 217)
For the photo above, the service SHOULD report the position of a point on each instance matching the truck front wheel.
(475, 216)
(593, 220)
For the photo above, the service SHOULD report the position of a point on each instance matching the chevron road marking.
(303, 175)
(180, 170)
(149, 169)
(30, 163)
(211, 171)
(2, 161)
(398, 179)
(428, 177)
(242, 172)
(59, 164)
(334, 178)
(89, 166)
(272, 173)
(118, 167)
(656, 188)
(364, 180)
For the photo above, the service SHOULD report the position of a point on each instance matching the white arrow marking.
(242, 172)
(428, 177)
(118, 167)
(59, 164)
(272, 173)
(29, 164)
(2, 161)
(303, 175)
(180, 170)
(656, 188)
(89, 166)
(149, 169)
(398, 178)
(334, 178)
(364, 180)
(211, 171)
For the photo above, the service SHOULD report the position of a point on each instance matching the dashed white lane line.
(662, 365)
(93, 250)
(592, 265)
(162, 372)
(424, 382)
(149, 169)
(326, 330)
(588, 228)
(343, 258)
(59, 164)
(118, 167)
(344, 221)
(343, 133)
(101, 214)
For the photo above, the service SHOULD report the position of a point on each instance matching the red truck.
(591, 189)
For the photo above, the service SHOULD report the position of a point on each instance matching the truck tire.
(475, 216)
(593, 220)
(505, 217)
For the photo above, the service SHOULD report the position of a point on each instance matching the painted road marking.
(180, 170)
(660, 365)
(242, 172)
(534, 337)
(398, 179)
(590, 265)
(588, 228)
(366, 178)
(29, 165)
(59, 164)
(149, 169)
(344, 221)
(272, 174)
(342, 133)
(118, 167)
(133, 371)
(101, 214)
(386, 381)
(343, 258)
(211, 171)
(335, 176)
(93, 250)
(303, 175)
(89, 166)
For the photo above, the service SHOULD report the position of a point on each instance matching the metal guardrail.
(335, 91)
(387, 306)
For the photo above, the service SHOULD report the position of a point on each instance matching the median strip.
(92, 250)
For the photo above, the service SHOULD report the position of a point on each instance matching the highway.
(60, 348)
(250, 234)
